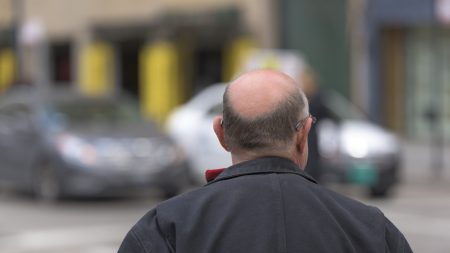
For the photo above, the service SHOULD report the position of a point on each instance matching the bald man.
(264, 202)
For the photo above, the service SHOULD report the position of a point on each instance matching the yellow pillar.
(160, 86)
(235, 56)
(96, 69)
(7, 68)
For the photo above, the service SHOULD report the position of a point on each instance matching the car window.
(341, 108)
(215, 110)
(209, 96)
(16, 117)
(79, 112)
(15, 110)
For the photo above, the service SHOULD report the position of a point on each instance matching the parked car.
(352, 149)
(68, 145)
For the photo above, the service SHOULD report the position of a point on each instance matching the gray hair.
(273, 130)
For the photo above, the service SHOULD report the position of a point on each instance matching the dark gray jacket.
(264, 205)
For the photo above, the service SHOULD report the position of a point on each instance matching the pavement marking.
(53, 239)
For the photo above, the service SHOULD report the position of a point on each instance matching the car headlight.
(356, 148)
(158, 150)
(166, 154)
(142, 147)
(114, 152)
(355, 145)
(76, 149)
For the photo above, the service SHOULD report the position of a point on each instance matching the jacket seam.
(170, 243)
(139, 241)
(282, 213)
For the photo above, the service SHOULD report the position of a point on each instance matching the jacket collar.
(270, 164)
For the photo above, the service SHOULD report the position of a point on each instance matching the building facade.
(151, 49)
(390, 57)
(409, 61)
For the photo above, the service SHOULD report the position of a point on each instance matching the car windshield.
(342, 108)
(96, 112)
(208, 97)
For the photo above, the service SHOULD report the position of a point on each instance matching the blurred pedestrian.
(264, 202)
(316, 97)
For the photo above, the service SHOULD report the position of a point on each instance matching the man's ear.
(302, 136)
(218, 129)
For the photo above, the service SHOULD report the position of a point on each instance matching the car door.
(18, 142)
(6, 138)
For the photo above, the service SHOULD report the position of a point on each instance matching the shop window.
(61, 63)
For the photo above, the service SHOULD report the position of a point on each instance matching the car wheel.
(379, 191)
(170, 191)
(46, 187)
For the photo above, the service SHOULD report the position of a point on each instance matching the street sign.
(32, 33)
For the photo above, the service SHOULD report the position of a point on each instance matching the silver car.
(67, 145)
(352, 150)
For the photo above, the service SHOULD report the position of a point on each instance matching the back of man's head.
(261, 109)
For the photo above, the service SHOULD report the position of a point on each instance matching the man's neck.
(247, 156)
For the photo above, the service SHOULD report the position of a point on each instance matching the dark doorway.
(207, 66)
(128, 61)
(61, 63)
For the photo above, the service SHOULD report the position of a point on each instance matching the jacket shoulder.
(146, 236)
(365, 213)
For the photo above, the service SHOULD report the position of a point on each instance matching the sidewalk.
(418, 165)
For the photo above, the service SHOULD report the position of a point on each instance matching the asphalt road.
(420, 207)
(92, 226)
(421, 210)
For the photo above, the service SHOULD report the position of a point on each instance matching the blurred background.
(106, 107)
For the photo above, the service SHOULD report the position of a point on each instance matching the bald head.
(261, 109)
(259, 92)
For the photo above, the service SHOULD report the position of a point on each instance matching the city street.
(101, 98)
(71, 226)
(420, 207)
